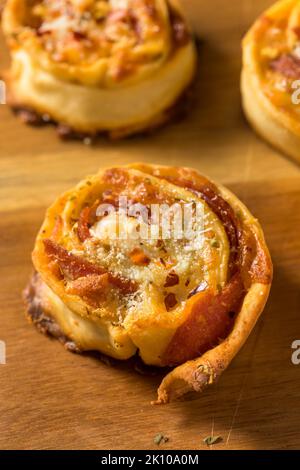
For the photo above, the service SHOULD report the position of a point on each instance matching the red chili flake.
(139, 258)
(78, 35)
(172, 279)
(170, 301)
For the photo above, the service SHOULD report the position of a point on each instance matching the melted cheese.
(143, 315)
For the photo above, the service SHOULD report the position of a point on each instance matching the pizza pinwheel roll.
(156, 261)
(271, 76)
(112, 66)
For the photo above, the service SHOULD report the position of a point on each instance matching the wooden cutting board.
(50, 398)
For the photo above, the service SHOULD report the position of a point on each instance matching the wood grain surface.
(50, 398)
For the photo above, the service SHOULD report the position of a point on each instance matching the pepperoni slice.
(74, 267)
(83, 228)
(288, 65)
(209, 322)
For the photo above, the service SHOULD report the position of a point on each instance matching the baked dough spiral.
(182, 301)
(113, 66)
(271, 76)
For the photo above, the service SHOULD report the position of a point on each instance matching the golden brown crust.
(72, 275)
(176, 112)
(196, 375)
(271, 68)
(108, 62)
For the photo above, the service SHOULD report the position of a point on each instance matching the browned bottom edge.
(175, 113)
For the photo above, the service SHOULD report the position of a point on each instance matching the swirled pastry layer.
(271, 76)
(118, 278)
(99, 65)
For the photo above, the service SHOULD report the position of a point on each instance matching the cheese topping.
(112, 266)
(84, 63)
(112, 40)
(159, 260)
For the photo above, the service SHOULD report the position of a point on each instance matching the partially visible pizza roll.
(92, 66)
(271, 76)
(156, 261)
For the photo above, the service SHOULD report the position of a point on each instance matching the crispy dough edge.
(196, 375)
(179, 109)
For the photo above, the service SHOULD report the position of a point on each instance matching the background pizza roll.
(155, 261)
(117, 66)
(271, 76)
